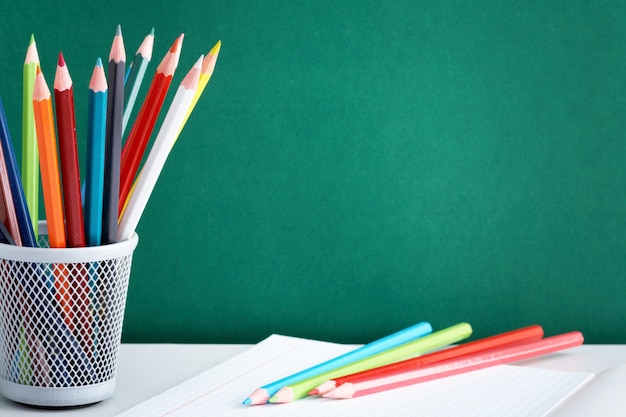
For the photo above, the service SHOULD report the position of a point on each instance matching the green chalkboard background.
(358, 166)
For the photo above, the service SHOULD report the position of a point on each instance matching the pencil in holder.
(61, 315)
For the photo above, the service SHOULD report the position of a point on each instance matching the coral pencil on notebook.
(262, 395)
(457, 365)
(525, 334)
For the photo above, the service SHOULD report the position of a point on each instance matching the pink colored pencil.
(525, 334)
(456, 366)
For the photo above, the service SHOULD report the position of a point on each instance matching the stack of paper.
(500, 391)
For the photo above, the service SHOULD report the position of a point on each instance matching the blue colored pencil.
(27, 233)
(96, 136)
(263, 394)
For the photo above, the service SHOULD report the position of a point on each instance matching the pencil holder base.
(61, 317)
(57, 397)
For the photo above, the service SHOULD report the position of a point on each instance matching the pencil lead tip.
(32, 39)
(99, 62)
(61, 61)
(152, 32)
(38, 69)
(118, 30)
(247, 401)
(314, 392)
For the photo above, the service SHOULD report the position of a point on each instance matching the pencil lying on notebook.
(456, 366)
(429, 343)
(525, 334)
(262, 395)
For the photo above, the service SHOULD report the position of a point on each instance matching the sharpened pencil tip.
(247, 401)
(32, 39)
(152, 32)
(118, 30)
(99, 62)
(314, 392)
(61, 61)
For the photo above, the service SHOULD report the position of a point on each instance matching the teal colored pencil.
(134, 76)
(263, 394)
(96, 136)
(447, 336)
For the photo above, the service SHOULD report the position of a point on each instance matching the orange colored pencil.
(525, 334)
(135, 146)
(51, 185)
(48, 161)
(455, 366)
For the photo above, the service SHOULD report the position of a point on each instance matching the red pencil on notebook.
(525, 334)
(467, 363)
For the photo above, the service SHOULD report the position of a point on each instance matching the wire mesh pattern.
(61, 323)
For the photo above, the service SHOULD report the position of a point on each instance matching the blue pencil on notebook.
(263, 394)
(27, 233)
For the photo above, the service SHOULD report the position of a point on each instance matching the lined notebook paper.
(500, 391)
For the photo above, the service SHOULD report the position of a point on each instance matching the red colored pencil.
(456, 366)
(525, 334)
(135, 146)
(68, 151)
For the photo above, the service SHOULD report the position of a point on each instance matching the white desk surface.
(146, 370)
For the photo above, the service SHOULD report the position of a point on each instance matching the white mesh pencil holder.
(61, 315)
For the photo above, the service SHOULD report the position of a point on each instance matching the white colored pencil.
(174, 119)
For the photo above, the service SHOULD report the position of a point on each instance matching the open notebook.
(500, 391)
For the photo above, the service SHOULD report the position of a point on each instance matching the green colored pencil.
(30, 152)
(417, 347)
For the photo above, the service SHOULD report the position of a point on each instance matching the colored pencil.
(22, 214)
(68, 153)
(115, 107)
(48, 161)
(208, 66)
(433, 341)
(51, 185)
(522, 335)
(96, 138)
(134, 76)
(158, 154)
(8, 217)
(30, 154)
(262, 395)
(135, 146)
(456, 366)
